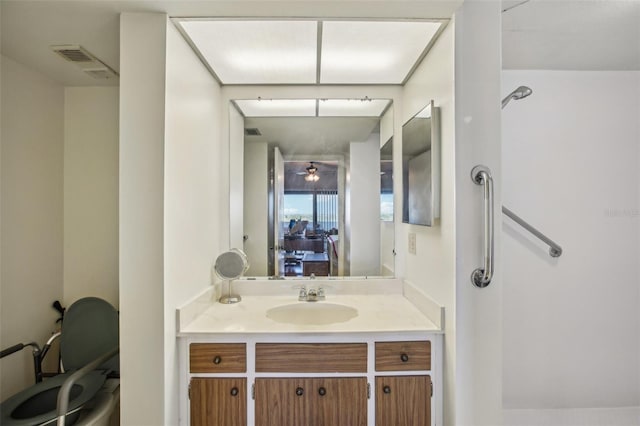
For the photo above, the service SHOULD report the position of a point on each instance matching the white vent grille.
(85, 61)
(101, 74)
(74, 55)
(252, 131)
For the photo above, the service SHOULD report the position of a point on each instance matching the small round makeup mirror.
(230, 266)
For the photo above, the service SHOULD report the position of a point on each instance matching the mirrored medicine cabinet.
(421, 167)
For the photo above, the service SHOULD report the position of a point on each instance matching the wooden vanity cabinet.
(313, 383)
(311, 401)
(218, 401)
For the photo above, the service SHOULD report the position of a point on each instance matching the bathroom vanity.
(364, 356)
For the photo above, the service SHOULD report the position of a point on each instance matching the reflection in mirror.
(386, 181)
(421, 167)
(312, 190)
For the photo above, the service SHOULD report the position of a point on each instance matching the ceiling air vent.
(252, 131)
(85, 61)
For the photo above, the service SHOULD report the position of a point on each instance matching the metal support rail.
(65, 389)
(481, 277)
(554, 249)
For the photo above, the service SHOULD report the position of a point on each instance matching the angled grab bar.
(65, 389)
(481, 277)
(554, 249)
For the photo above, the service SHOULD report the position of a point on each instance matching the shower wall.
(571, 165)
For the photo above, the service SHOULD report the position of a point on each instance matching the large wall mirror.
(421, 167)
(311, 186)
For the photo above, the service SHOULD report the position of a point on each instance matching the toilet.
(89, 329)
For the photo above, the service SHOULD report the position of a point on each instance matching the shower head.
(519, 93)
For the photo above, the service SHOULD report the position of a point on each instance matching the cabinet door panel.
(218, 402)
(280, 402)
(311, 402)
(403, 401)
(338, 401)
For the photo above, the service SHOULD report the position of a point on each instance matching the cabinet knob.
(234, 391)
(404, 357)
(386, 389)
(217, 360)
(322, 391)
(299, 391)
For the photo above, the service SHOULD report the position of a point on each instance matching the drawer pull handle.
(234, 391)
(299, 391)
(217, 360)
(404, 357)
(386, 389)
(322, 391)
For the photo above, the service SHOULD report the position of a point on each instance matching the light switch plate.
(412, 243)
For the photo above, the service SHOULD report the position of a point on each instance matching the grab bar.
(65, 389)
(554, 249)
(481, 277)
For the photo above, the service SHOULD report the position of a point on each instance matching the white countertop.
(381, 307)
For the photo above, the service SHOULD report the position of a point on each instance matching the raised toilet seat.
(89, 329)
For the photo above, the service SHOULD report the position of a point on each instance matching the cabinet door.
(311, 402)
(403, 401)
(280, 402)
(337, 401)
(218, 402)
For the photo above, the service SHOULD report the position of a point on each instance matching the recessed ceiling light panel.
(277, 107)
(352, 107)
(257, 52)
(372, 52)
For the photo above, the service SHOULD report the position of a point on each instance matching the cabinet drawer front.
(311, 357)
(217, 358)
(398, 356)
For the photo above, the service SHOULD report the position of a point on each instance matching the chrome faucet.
(311, 295)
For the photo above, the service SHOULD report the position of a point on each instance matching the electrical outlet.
(412, 243)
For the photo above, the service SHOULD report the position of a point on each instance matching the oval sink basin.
(312, 313)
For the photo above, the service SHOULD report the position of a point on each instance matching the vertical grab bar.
(481, 277)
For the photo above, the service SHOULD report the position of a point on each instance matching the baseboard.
(617, 416)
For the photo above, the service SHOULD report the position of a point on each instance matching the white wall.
(194, 186)
(432, 268)
(478, 316)
(365, 207)
(173, 213)
(91, 193)
(571, 156)
(32, 136)
(256, 193)
(142, 307)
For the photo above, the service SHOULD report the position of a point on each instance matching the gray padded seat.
(89, 329)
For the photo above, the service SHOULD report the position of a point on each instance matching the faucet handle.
(320, 292)
(302, 295)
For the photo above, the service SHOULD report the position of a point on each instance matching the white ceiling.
(558, 34)
(571, 35)
(28, 28)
